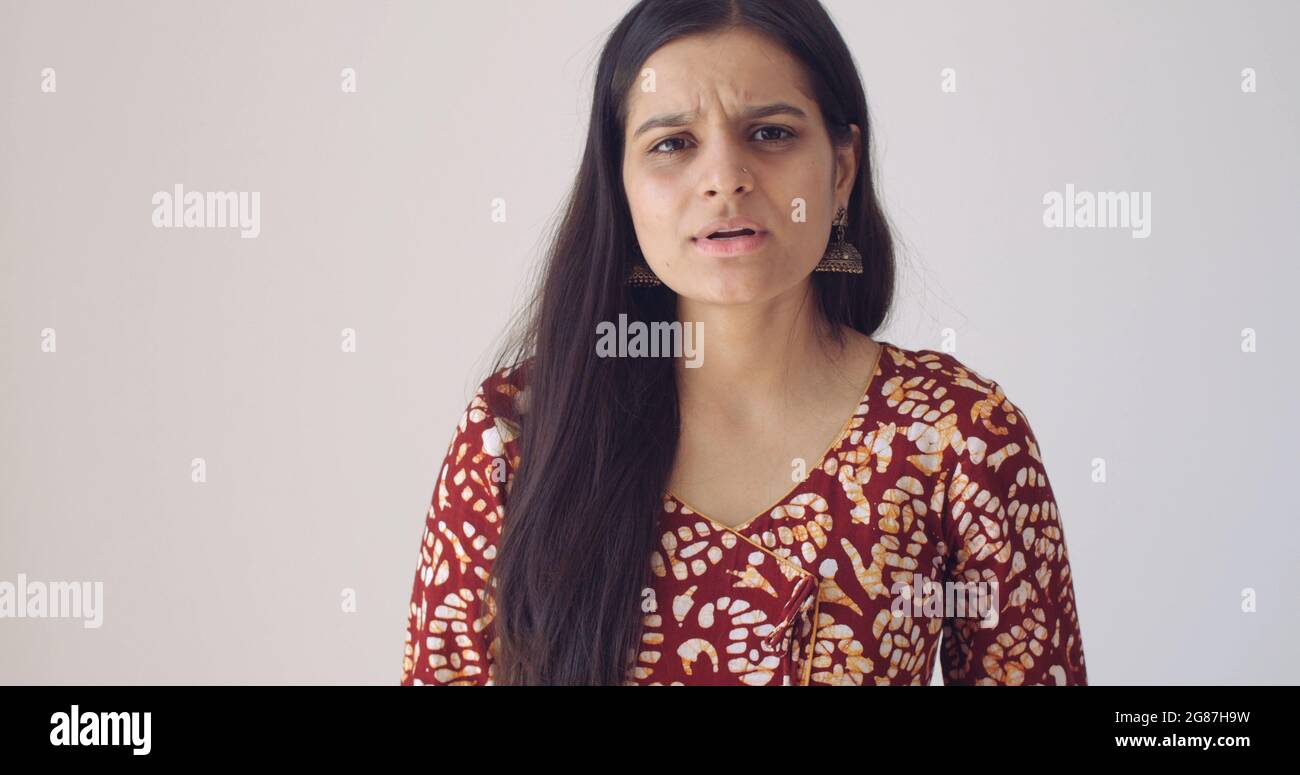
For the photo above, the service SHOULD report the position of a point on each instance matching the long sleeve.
(1002, 528)
(449, 626)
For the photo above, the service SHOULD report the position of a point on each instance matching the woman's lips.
(731, 246)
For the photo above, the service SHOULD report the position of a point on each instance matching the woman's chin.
(731, 288)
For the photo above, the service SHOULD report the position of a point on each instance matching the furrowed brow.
(749, 114)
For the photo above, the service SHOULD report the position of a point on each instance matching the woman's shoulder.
(924, 363)
(505, 394)
(478, 467)
(955, 405)
(490, 424)
(939, 376)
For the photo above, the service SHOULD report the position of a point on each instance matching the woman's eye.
(657, 150)
(778, 129)
(662, 143)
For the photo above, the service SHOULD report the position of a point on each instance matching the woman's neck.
(762, 356)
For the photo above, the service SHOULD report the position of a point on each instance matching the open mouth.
(731, 234)
(731, 243)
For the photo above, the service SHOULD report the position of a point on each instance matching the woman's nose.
(726, 172)
(725, 185)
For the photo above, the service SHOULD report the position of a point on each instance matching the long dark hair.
(598, 435)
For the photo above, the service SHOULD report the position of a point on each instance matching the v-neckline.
(863, 398)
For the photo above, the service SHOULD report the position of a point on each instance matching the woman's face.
(690, 137)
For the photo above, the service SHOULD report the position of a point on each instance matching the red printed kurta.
(933, 495)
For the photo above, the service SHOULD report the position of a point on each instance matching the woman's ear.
(847, 161)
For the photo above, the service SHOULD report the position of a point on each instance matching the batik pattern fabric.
(927, 531)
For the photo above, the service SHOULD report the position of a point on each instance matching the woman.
(646, 520)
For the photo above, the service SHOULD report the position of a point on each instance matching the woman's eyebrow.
(752, 112)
